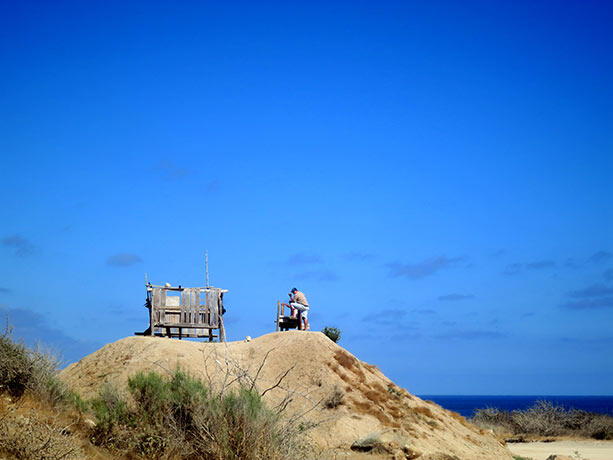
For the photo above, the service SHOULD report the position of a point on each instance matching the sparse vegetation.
(333, 333)
(179, 416)
(546, 419)
(31, 373)
(31, 370)
(161, 417)
(391, 389)
(335, 398)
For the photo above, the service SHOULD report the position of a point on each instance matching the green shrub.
(188, 396)
(110, 411)
(151, 394)
(333, 333)
(178, 416)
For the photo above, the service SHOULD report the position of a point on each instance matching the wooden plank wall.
(191, 310)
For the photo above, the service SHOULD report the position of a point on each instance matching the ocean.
(466, 405)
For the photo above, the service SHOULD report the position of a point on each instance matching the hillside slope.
(344, 397)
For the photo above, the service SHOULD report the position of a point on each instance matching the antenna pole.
(206, 267)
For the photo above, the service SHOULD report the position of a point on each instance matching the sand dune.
(317, 373)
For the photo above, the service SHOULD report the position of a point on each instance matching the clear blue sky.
(435, 176)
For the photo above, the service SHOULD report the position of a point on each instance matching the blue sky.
(435, 176)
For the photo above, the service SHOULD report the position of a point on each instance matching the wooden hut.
(185, 312)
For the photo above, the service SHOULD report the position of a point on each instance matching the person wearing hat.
(299, 302)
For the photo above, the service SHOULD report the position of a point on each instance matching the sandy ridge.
(316, 368)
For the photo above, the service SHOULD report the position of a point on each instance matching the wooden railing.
(285, 322)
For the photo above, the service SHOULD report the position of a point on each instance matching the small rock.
(560, 457)
(390, 441)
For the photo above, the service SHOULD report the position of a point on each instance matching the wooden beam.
(150, 287)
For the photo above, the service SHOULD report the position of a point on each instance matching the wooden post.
(278, 314)
(219, 306)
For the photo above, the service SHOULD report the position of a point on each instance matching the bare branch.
(279, 381)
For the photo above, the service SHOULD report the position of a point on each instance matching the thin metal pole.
(206, 267)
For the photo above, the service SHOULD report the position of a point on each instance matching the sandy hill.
(346, 398)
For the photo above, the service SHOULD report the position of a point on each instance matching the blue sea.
(466, 405)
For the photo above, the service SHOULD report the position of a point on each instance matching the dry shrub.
(372, 368)
(359, 374)
(345, 360)
(395, 412)
(334, 367)
(368, 408)
(462, 420)
(378, 387)
(377, 397)
(425, 411)
(334, 399)
(546, 419)
(23, 369)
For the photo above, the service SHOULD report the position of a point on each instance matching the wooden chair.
(286, 322)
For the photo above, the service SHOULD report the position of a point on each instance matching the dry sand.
(586, 449)
(316, 369)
